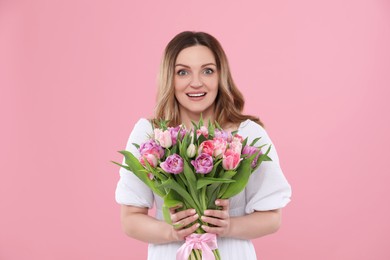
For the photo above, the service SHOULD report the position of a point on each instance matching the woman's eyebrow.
(182, 65)
(208, 64)
(204, 65)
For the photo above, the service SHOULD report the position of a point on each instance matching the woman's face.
(196, 81)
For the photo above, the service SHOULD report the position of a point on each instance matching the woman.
(195, 79)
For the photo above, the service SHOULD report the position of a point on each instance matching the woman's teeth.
(196, 95)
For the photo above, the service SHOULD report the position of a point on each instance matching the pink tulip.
(206, 147)
(163, 137)
(219, 146)
(151, 146)
(236, 146)
(151, 159)
(237, 138)
(202, 131)
(230, 160)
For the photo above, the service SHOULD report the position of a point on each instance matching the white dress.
(267, 189)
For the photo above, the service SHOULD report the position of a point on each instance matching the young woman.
(195, 79)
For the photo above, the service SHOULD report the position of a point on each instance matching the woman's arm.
(257, 224)
(137, 224)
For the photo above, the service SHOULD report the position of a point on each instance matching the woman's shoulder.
(253, 130)
(143, 122)
(250, 125)
(142, 126)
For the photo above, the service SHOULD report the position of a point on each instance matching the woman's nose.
(196, 82)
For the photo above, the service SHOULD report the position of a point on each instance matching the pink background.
(76, 75)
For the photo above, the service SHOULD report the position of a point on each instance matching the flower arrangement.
(193, 168)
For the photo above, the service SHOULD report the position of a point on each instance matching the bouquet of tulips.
(193, 168)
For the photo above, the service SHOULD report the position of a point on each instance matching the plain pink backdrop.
(76, 75)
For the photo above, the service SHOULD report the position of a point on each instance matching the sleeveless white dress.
(267, 189)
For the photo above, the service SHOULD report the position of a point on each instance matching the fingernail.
(217, 202)
(206, 212)
(196, 216)
(193, 211)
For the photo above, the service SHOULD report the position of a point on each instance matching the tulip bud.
(191, 151)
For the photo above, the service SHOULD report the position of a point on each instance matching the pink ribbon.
(206, 242)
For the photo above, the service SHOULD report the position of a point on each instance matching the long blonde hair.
(229, 102)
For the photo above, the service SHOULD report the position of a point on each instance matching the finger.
(187, 231)
(223, 203)
(185, 222)
(223, 214)
(173, 209)
(175, 217)
(213, 230)
(215, 221)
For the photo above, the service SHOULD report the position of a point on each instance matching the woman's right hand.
(180, 220)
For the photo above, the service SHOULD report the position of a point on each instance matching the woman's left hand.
(219, 219)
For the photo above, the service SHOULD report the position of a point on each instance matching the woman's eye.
(208, 71)
(182, 72)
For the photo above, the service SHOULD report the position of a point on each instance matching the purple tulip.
(223, 134)
(173, 164)
(251, 150)
(174, 131)
(203, 163)
(151, 147)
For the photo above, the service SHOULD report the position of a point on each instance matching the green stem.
(203, 198)
(198, 254)
(218, 256)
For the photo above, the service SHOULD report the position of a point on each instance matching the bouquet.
(193, 168)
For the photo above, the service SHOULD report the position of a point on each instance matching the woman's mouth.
(195, 95)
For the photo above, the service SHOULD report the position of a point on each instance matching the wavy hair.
(229, 102)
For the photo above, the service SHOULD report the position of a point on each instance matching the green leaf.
(136, 145)
(213, 171)
(201, 139)
(263, 157)
(171, 200)
(191, 181)
(211, 192)
(121, 165)
(180, 180)
(255, 141)
(217, 125)
(207, 180)
(183, 148)
(211, 129)
(226, 175)
(174, 149)
(136, 167)
(244, 142)
(171, 184)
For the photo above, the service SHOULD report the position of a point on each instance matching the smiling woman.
(195, 81)
(182, 52)
(196, 84)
